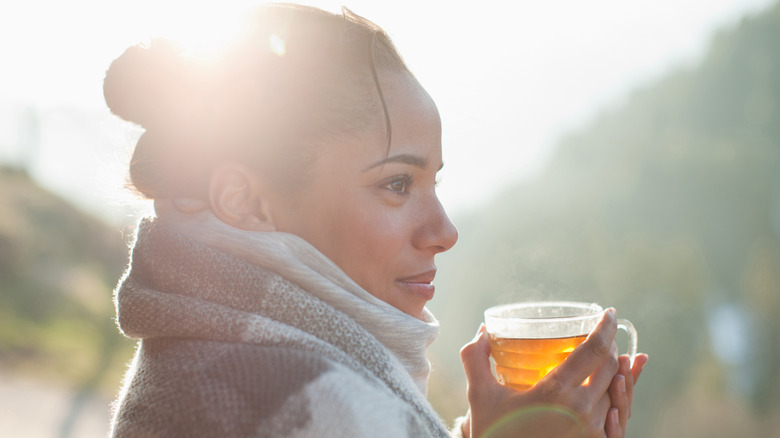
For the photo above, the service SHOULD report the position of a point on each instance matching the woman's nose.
(438, 232)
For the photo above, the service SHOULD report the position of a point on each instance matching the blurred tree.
(58, 267)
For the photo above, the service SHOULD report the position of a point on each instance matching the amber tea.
(520, 363)
(528, 340)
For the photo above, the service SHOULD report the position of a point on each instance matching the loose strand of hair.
(375, 75)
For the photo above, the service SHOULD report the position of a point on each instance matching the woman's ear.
(238, 197)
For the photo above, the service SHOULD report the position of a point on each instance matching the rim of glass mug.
(551, 319)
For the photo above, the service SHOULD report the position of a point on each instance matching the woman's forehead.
(403, 89)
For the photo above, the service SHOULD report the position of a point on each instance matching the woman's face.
(376, 215)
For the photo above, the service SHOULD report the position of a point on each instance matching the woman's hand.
(560, 405)
(621, 392)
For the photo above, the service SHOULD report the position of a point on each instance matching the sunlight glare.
(207, 28)
(277, 45)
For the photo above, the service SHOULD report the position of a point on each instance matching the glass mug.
(528, 340)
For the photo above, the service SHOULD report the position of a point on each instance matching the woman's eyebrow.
(413, 160)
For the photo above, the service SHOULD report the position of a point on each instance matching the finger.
(599, 415)
(476, 362)
(590, 355)
(639, 364)
(599, 381)
(612, 426)
(619, 397)
(625, 370)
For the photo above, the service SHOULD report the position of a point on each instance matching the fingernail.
(612, 312)
(622, 383)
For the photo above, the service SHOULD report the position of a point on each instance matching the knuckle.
(465, 351)
(553, 387)
(473, 393)
(600, 347)
(613, 363)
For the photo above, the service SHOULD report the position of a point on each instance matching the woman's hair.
(296, 76)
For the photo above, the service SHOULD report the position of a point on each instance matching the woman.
(281, 288)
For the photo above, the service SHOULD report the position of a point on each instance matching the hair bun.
(143, 84)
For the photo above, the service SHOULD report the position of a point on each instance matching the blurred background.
(618, 152)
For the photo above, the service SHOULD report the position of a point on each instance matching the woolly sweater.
(259, 335)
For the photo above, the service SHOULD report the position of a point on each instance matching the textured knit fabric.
(260, 335)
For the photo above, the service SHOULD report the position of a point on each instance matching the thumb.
(476, 362)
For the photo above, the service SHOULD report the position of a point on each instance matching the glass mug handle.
(626, 326)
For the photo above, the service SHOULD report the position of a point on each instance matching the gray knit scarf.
(216, 307)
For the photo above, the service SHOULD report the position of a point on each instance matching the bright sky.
(509, 77)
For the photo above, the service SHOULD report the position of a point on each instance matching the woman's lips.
(421, 285)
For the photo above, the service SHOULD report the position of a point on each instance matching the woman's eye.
(399, 184)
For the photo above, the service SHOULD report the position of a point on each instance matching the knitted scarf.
(259, 334)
